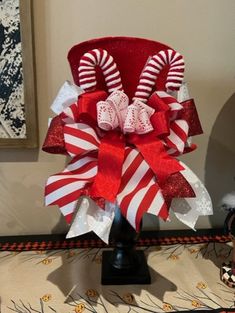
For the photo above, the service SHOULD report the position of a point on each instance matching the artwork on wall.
(18, 123)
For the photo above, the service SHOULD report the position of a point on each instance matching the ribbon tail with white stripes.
(139, 191)
(65, 188)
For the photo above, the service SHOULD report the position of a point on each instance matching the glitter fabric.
(189, 114)
(176, 186)
(54, 142)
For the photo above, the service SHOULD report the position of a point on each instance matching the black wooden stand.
(124, 265)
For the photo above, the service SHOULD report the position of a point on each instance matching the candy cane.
(87, 72)
(154, 66)
(177, 138)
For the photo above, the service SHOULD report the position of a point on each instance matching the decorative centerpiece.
(123, 124)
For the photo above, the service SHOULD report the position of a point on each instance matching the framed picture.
(18, 122)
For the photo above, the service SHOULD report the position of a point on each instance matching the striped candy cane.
(87, 72)
(179, 128)
(152, 69)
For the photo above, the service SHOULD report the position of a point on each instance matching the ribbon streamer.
(89, 217)
(188, 210)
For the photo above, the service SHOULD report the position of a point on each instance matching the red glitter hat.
(130, 55)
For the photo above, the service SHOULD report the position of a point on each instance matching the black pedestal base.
(137, 275)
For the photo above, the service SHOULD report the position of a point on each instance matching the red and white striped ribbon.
(139, 192)
(80, 138)
(178, 136)
(152, 69)
(87, 72)
(65, 188)
(179, 128)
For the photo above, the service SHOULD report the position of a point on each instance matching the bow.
(112, 144)
(84, 109)
(133, 170)
(136, 181)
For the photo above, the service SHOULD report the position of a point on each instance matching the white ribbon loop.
(115, 112)
(89, 217)
(131, 119)
(67, 94)
(111, 113)
(144, 125)
(138, 118)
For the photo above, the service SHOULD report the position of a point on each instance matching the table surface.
(184, 277)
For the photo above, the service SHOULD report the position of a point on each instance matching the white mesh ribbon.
(183, 93)
(67, 94)
(90, 217)
(188, 210)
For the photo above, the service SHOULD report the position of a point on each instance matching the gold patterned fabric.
(184, 278)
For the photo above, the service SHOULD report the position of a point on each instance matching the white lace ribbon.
(111, 113)
(138, 118)
(115, 112)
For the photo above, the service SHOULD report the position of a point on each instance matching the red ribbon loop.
(154, 153)
(87, 111)
(157, 103)
(161, 124)
(54, 141)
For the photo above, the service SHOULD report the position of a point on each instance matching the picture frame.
(18, 113)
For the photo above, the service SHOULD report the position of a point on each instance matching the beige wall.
(203, 31)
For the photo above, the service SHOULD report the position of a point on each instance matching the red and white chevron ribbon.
(152, 69)
(87, 71)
